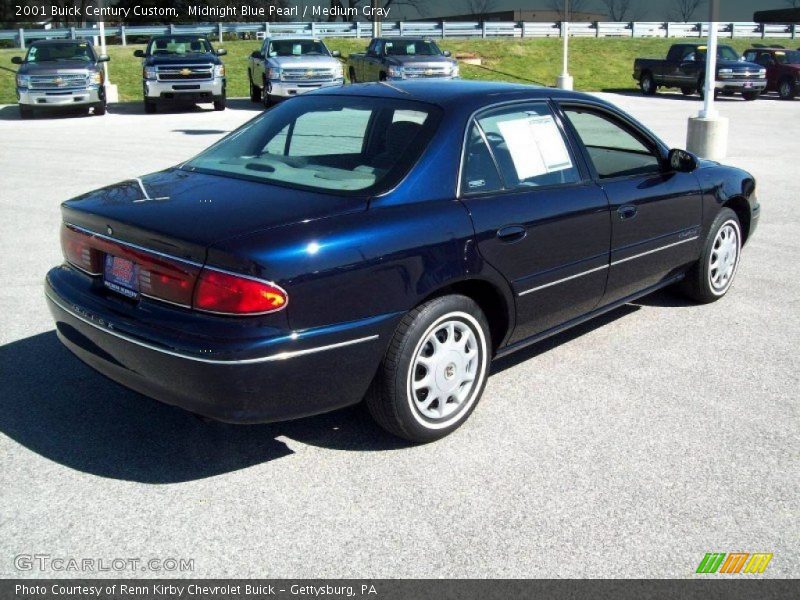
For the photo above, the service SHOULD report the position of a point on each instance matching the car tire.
(787, 90)
(265, 97)
(442, 347)
(648, 85)
(255, 91)
(149, 107)
(220, 104)
(100, 109)
(750, 96)
(687, 91)
(25, 112)
(712, 275)
(701, 82)
(351, 73)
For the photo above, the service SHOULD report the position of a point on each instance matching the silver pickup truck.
(285, 67)
(60, 74)
(401, 58)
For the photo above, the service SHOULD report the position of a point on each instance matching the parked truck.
(60, 74)
(182, 69)
(389, 59)
(685, 69)
(783, 69)
(285, 67)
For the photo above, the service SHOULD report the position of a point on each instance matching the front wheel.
(220, 104)
(149, 107)
(352, 75)
(265, 98)
(255, 91)
(687, 91)
(435, 370)
(100, 109)
(750, 96)
(25, 112)
(712, 275)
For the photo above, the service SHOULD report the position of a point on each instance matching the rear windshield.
(340, 144)
(723, 53)
(297, 48)
(178, 45)
(40, 53)
(411, 48)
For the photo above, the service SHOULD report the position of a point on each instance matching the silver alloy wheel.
(724, 258)
(447, 370)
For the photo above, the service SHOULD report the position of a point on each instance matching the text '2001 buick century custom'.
(386, 242)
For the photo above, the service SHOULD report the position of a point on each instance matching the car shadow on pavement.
(58, 407)
(11, 113)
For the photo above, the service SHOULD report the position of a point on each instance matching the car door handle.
(511, 233)
(627, 212)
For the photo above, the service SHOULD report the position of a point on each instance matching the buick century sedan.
(385, 242)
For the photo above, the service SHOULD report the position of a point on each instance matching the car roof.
(59, 41)
(454, 93)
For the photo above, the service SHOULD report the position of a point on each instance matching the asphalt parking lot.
(629, 447)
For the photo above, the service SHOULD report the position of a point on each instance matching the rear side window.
(517, 147)
(613, 149)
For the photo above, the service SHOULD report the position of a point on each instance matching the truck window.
(178, 45)
(39, 53)
(297, 48)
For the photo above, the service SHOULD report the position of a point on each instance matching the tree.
(481, 8)
(683, 10)
(620, 10)
(558, 6)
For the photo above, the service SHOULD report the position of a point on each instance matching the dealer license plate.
(121, 275)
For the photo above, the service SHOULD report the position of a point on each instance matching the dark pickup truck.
(685, 68)
(396, 59)
(182, 68)
(783, 69)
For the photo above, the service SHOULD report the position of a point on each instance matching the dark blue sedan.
(386, 242)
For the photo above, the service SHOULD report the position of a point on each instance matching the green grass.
(596, 64)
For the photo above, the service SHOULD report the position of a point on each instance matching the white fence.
(435, 29)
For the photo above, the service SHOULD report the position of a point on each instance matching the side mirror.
(336, 54)
(138, 53)
(17, 60)
(221, 52)
(447, 53)
(682, 161)
(103, 58)
(257, 54)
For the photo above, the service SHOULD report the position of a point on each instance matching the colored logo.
(734, 562)
(186, 72)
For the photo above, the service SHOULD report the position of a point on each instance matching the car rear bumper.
(282, 378)
(284, 89)
(188, 91)
(61, 98)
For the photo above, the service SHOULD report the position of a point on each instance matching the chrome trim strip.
(616, 262)
(547, 285)
(247, 361)
(622, 260)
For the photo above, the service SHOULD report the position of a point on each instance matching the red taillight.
(78, 250)
(165, 279)
(229, 294)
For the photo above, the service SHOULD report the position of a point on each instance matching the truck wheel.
(100, 109)
(687, 91)
(352, 75)
(434, 371)
(25, 112)
(265, 99)
(382, 77)
(149, 107)
(712, 275)
(255, 91)
(220, 104)
(648, 84)
(750, 96)
(787, 90)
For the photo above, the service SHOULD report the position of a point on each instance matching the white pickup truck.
(285, 67)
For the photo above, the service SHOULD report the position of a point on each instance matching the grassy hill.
(596, 63)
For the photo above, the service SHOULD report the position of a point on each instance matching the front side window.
(613, 149)
(41, 53)
(327, 143)
(178, 45)
(524, 144)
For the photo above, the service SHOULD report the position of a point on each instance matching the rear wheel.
(687, 91)
(712, 275)
(750, 96)
(25, 112)
(648, 85)
(255, 91)
(787, 89)
(149, 107)
(435, 370)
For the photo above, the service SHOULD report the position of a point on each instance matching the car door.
(692, 62)
(539, 219)
(372, 65)
(656, 212)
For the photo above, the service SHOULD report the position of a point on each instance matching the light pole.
(112, 94)
(708, 132)
(565, 81)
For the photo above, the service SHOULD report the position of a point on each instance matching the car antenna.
(394, 87)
